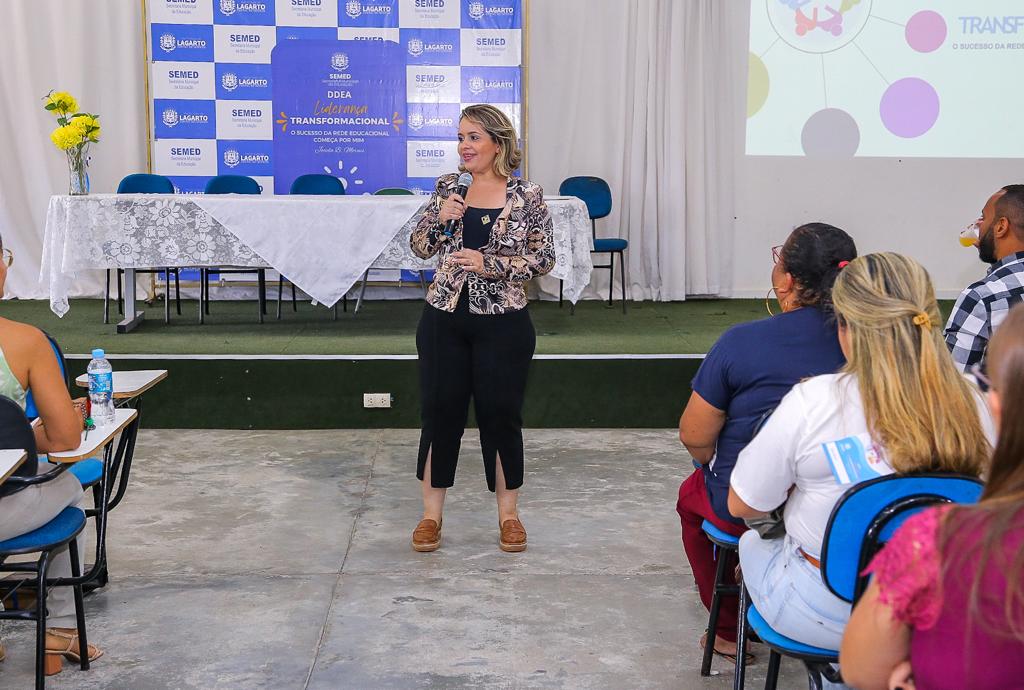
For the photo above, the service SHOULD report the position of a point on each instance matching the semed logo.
(416, 121)
(228, 7)
(477, 85)
(476, 10)
(231, 158)
(229, 81)
(353, 8)
(168, 42)
(415, 47)
(170, 117)
(339, 61)
(430, 81)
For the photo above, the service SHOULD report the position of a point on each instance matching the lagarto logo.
(339, 61)
(416, 121)
(229, 81)
(353, 8)
(228, 7)
(476, 10)
(168, 42)
(477, 85)
(415, 47)
(170, 117)
(231, 158)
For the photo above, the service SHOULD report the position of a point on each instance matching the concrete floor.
(282, 560)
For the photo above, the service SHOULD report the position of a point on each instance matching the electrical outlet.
(376, 400)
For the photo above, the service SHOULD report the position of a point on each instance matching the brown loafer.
(513, 536)
(426, 536)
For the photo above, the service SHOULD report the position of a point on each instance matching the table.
(95, 439)
(323, 244)
(10, 460)
(129, 384)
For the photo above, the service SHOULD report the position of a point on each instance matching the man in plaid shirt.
(983, 305)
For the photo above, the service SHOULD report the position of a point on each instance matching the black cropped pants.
(486, 357)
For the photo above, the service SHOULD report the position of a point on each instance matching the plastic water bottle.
(101, 389)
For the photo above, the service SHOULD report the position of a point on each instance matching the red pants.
(694, 508)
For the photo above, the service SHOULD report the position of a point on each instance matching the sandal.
(731, 657)
(71, 650)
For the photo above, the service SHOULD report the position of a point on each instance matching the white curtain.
(640, 92)
(643, 94)
(92, 49)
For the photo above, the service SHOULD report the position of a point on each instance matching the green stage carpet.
(384, 327)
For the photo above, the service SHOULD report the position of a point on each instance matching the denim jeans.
(789, 593)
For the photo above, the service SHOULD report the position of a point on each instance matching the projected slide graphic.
(843, 78)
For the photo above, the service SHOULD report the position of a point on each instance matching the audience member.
(899, 405)
(744, 376)
(948, 591)
(982, 306)
(27, 361)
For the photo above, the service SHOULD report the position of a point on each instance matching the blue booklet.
(855, 459)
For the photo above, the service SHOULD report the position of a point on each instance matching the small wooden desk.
(129, 384)
(10, 460)
(98, 438)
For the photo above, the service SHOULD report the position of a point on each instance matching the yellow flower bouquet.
(74, 134)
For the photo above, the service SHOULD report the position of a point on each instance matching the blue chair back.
(17, 434)
(870, 512)
(317, 183)
(144, 183)
(232, 184)
(393, 191)
(31, 412)
(593, 190)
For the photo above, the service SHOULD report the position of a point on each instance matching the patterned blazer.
(521, 247)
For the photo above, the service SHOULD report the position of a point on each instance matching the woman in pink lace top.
(945, 609)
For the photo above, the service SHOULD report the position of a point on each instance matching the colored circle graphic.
(926, 31)
(830, 133)
(757, 85)
(910, 107)
(818, 26)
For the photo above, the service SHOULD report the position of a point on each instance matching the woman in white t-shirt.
(899, 405)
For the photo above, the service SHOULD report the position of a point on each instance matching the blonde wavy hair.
(500, 129)
(922, 410)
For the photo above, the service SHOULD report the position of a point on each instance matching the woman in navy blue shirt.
(744, 376)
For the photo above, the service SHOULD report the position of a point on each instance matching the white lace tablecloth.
(322, 244)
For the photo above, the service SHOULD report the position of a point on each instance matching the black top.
(476, 226)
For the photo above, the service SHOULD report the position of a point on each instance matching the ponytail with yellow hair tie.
(923, 320)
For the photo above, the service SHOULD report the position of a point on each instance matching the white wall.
(915, 207)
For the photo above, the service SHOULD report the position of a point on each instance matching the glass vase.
(78, 169)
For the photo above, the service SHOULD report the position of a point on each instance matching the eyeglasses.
(984, 383)
(777, 253)
(8, 257)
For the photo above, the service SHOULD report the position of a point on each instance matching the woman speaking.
(475, 337)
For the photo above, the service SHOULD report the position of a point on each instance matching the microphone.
(465, 180)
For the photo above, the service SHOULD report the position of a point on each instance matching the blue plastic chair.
(15, 433)
(863, 520)
(596, 194)
(144, 183)
(315, 184)
(729, 544)
(726, 544)
(231, 184)
(89, 472)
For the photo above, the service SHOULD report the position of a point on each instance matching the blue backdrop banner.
(338, 109)
(367, 90)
